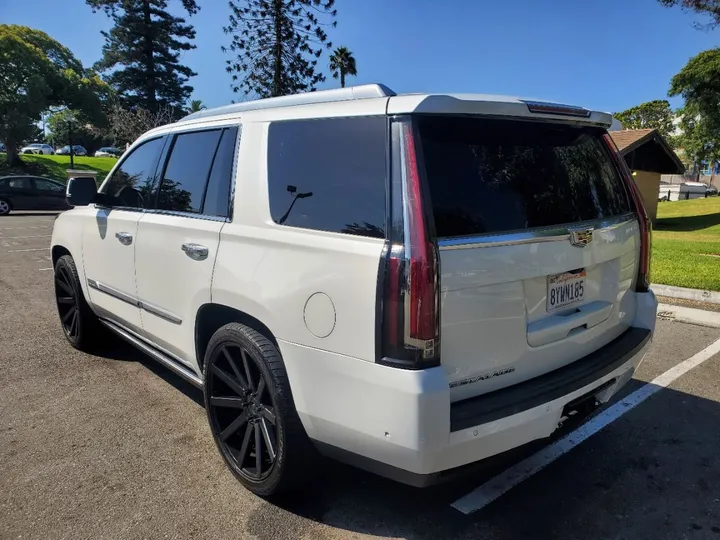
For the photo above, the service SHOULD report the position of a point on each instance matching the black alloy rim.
(67, 302)
(242, 412)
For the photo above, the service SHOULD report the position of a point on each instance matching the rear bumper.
(402, 425)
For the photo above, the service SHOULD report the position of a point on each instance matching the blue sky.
(603, 54)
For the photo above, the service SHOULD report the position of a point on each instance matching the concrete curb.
(689, 315)
(686, 294)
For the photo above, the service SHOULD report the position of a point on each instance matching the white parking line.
(508, 479)
(42, 269)
(33, 249)
(30, 236)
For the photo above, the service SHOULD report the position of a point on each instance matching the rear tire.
(251, 412)
(5, 207)
(80, 325)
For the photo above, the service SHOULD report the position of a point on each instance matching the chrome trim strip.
(548, 234)
(160, 312)
(186, 214)
(233, 178)
(150, 308)
(165, 360)
(113, 292)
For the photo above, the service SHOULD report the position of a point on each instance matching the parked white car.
(684, 191)
(108, 151)
(409, 283)
(37, 148)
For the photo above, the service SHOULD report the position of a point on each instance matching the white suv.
(409, 283)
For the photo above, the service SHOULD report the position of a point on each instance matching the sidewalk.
(683, 293)
(688, 315)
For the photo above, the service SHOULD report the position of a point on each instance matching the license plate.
(565, 289)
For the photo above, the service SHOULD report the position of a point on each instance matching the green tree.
(69, 126)
(700, 138)
(711, 8)
(699, 84)
(36, 73)
(655, 114)
(196, 105)
(141, 55)
(276, 45)
(342, 63)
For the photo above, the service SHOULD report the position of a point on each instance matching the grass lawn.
(686, 244)
(55, 166)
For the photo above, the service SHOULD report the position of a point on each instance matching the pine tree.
(276, 45)
(142, 51)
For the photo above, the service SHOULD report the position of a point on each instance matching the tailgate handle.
(557, 327)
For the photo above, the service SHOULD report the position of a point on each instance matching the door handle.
(124, 238)
(195, 251)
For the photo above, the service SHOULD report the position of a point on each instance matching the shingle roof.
(632, 141)
(629, 137)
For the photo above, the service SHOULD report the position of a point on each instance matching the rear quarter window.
(329, 174)
(491, 176)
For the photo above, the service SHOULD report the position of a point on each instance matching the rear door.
(538, 246)
(178, 241)
(50, 195)
(20, 191)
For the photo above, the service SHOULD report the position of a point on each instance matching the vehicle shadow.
(687, 224)
(117, 349)
(654, 473)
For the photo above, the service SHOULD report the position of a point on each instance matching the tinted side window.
(217, 195)
(490, 176)
(132, 182)
(329, 174)
(46, 185)
(183, 184)
(19, 183)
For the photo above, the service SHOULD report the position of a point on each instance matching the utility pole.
(72, 153)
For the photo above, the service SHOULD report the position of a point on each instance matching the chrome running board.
(167, 361)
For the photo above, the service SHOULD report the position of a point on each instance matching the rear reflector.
(643, 277)
(556, 108)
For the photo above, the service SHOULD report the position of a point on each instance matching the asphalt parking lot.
(115, 446)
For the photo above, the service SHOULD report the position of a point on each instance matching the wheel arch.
(57, 252)
(212, 316)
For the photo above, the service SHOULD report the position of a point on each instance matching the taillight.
(643, 277)
(410, 303)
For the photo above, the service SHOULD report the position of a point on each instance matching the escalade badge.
(581, 237)
(484, 377)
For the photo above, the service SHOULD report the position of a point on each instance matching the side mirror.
(81, 191)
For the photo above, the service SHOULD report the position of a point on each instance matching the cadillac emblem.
(581, 237)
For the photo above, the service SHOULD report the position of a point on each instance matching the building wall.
(649, 185)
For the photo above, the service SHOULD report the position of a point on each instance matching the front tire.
(5, 207)
(251, 412)
(80, 325)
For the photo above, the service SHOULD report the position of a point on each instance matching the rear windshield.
(490, 176)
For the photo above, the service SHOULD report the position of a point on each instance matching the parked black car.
(31, 193)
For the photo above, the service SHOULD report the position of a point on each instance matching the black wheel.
(5, 207)
(251, 412)
(80, 325)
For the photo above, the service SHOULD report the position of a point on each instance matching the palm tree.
(195, 106)
(342, 63)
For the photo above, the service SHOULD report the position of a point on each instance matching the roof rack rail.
(323, 96)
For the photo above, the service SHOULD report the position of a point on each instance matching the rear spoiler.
(488, 105)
